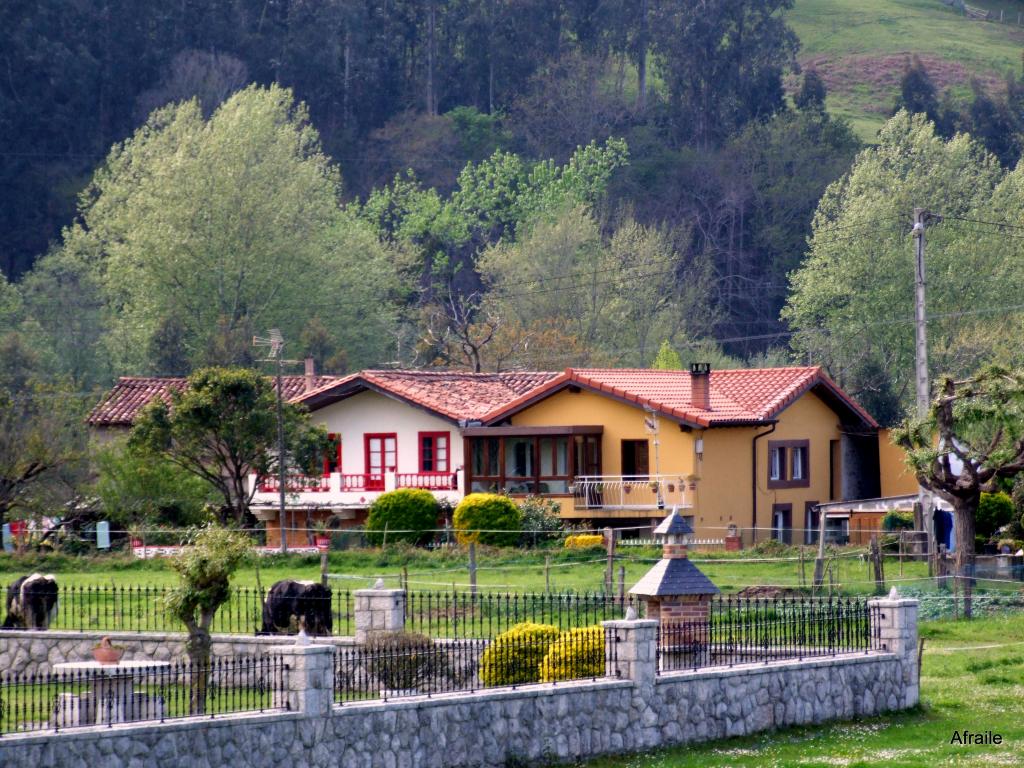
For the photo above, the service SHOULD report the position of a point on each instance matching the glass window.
(799, 463)
(554, 456)
(519, 457)
(433, 451)
(777, 460)
(485, 457)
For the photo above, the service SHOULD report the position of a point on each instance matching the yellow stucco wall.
(621, 422)
(723, 493)
(896, 479)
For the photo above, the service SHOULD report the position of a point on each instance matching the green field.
(972, 678)
(497, 570)
(118, 593)
(860, 49)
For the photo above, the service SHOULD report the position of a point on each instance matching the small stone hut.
(677, 591)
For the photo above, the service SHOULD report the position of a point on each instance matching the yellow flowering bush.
(514, 657)
(584, 541)
(575, 654)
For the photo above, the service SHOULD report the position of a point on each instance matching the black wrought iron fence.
(488, 614)
(425, 667)
(128, 608)
(140, 690)
(749, 630)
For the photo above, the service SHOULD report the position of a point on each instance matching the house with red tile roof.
(392, 429)
(757, 449)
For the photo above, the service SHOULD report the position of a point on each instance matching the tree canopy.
(222, 428)
(219, 227)
(851, 303)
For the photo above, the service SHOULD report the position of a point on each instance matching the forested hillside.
(479, 183)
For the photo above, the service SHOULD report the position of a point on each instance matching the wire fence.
(416, 666)
(488, 614)
(129, 608)
(744, 631)
(139, 691)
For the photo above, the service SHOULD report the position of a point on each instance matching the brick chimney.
(700, 385)
(310, 374)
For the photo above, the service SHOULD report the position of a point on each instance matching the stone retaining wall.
(37, 652)
(632, 709)
(490, 728)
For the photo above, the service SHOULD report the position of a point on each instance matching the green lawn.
(498, 570)
(860, 49)
(117, 593)
(972, 678)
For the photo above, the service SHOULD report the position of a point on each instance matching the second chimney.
(310, 374)
(700, 385)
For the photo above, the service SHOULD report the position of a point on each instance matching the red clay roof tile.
(457, 395)
(131, 394)
(750, 395)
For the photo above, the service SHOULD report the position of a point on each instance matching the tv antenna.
(652, 428)
(274, 343)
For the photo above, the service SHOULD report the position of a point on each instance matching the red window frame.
(327, 454)
(433, 437)
(366, 451)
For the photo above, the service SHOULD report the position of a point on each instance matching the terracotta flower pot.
(105, 653)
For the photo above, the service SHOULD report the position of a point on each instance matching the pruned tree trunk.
(963, 527)
(199, 648)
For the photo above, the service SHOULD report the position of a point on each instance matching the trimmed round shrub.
(898, 521)
(488, 518)
(411, 510)
(575, 654)
(514, 657)
(400, 660)
(584, 541)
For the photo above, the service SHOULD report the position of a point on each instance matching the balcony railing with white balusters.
(342, 485)
(630, 492)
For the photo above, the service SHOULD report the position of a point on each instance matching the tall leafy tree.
(851, 304)
(222, 428)
(226, 226)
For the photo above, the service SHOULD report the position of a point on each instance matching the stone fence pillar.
(379, 610)
(631, 650)
(894, 622)
(310, 681)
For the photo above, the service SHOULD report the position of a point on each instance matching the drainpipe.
(753, 479)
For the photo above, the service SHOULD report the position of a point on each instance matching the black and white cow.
(31, 602)
(290, 602)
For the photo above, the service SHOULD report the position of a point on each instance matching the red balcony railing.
(296, 484)
(431, 481)
(362, 482)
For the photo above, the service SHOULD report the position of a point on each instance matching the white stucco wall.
(369, 412)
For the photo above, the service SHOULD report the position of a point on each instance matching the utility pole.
(921, 386)
(276, 344)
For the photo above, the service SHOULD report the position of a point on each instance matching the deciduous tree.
(223, 428)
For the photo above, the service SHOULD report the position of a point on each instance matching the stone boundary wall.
(37, 651)
(490, 728)
(632, 709)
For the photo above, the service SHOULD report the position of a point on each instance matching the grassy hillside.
(860, 49)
